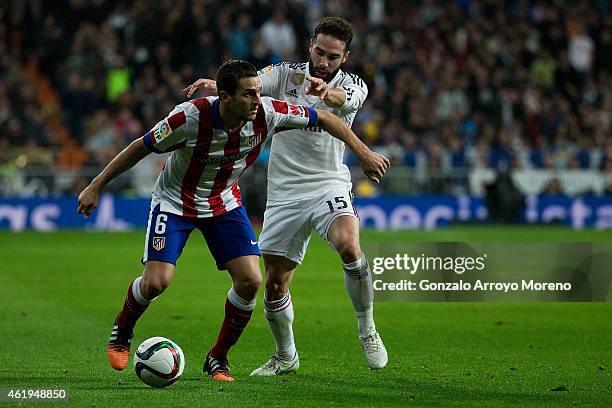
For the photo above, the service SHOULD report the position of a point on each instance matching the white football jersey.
(306, 162)
(200, 178)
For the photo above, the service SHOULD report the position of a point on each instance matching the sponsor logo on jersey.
(162, 131)
(219, 160)
(292, 92)
(297, 110)
(254, 140)
(159, 243)
(297, 79)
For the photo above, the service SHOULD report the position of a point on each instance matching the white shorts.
(287, 225)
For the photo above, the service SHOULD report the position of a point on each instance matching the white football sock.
(138, 294)
(240, 303)
(279, 314)
(358, 282)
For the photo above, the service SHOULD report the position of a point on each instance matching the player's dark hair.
(335, 27)
(232, 71)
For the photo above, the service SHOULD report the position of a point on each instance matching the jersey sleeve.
(280, 114)
(356, 92)
(172, 132)
(271, 79)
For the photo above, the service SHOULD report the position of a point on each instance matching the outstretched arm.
(349, 97)
(374, 165)
(271, 78)
(126, 159)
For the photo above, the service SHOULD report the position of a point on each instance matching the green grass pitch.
(59, 294)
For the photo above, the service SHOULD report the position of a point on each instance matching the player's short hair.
(232, 71)
(335, 27)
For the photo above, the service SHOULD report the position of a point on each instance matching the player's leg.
(278, 310)
(240, 302)
(278, 307)
(337, 222)
(166, 237)
(283, 242)
(233, 244)
(343, 235)
(141, 292)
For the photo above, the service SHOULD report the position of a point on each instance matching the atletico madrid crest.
(159, 243)
(256, 139)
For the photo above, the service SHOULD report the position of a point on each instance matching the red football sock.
(233, 325)
(131, 312)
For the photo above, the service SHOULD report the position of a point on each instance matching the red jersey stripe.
(199, 103)
(259, 127)
(236, 193)
(177, 120)
(232, 147)
(200, 154)
(280, 106)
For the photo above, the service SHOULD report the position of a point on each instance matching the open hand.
(208, 87)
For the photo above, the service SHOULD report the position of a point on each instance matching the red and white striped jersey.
(200, 177)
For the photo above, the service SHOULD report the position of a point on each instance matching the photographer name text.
(406, 285)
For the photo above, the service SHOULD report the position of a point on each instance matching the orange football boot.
(118, 349)
(218, 368)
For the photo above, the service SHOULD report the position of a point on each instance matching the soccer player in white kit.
(213, 140)
(309, 188)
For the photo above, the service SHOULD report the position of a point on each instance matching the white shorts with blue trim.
(288, 225)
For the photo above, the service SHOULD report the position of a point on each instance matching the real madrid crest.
(297, 79)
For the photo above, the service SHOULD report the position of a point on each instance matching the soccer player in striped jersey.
(309, 188)
(213, 141)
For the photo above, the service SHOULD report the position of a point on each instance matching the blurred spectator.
(581, 50)
(452, 85)
(241, 37)
(278, 37)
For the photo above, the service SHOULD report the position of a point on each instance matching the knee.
(253, 282)
(275, 290)
(348, 248)
(278, 276)
(153, 284)
(247, 286)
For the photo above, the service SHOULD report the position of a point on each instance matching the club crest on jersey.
(254, 140)
(297, 79)
(162, 131)
(159, 243)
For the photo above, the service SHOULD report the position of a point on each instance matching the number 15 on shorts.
(338, 204)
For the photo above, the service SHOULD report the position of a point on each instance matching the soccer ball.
(159, 362)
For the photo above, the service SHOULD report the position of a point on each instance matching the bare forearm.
(330, 123)
(124, 161)
(335, 98)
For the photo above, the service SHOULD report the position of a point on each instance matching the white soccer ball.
(159, 362)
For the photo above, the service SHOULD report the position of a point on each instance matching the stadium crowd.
(453, 85)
